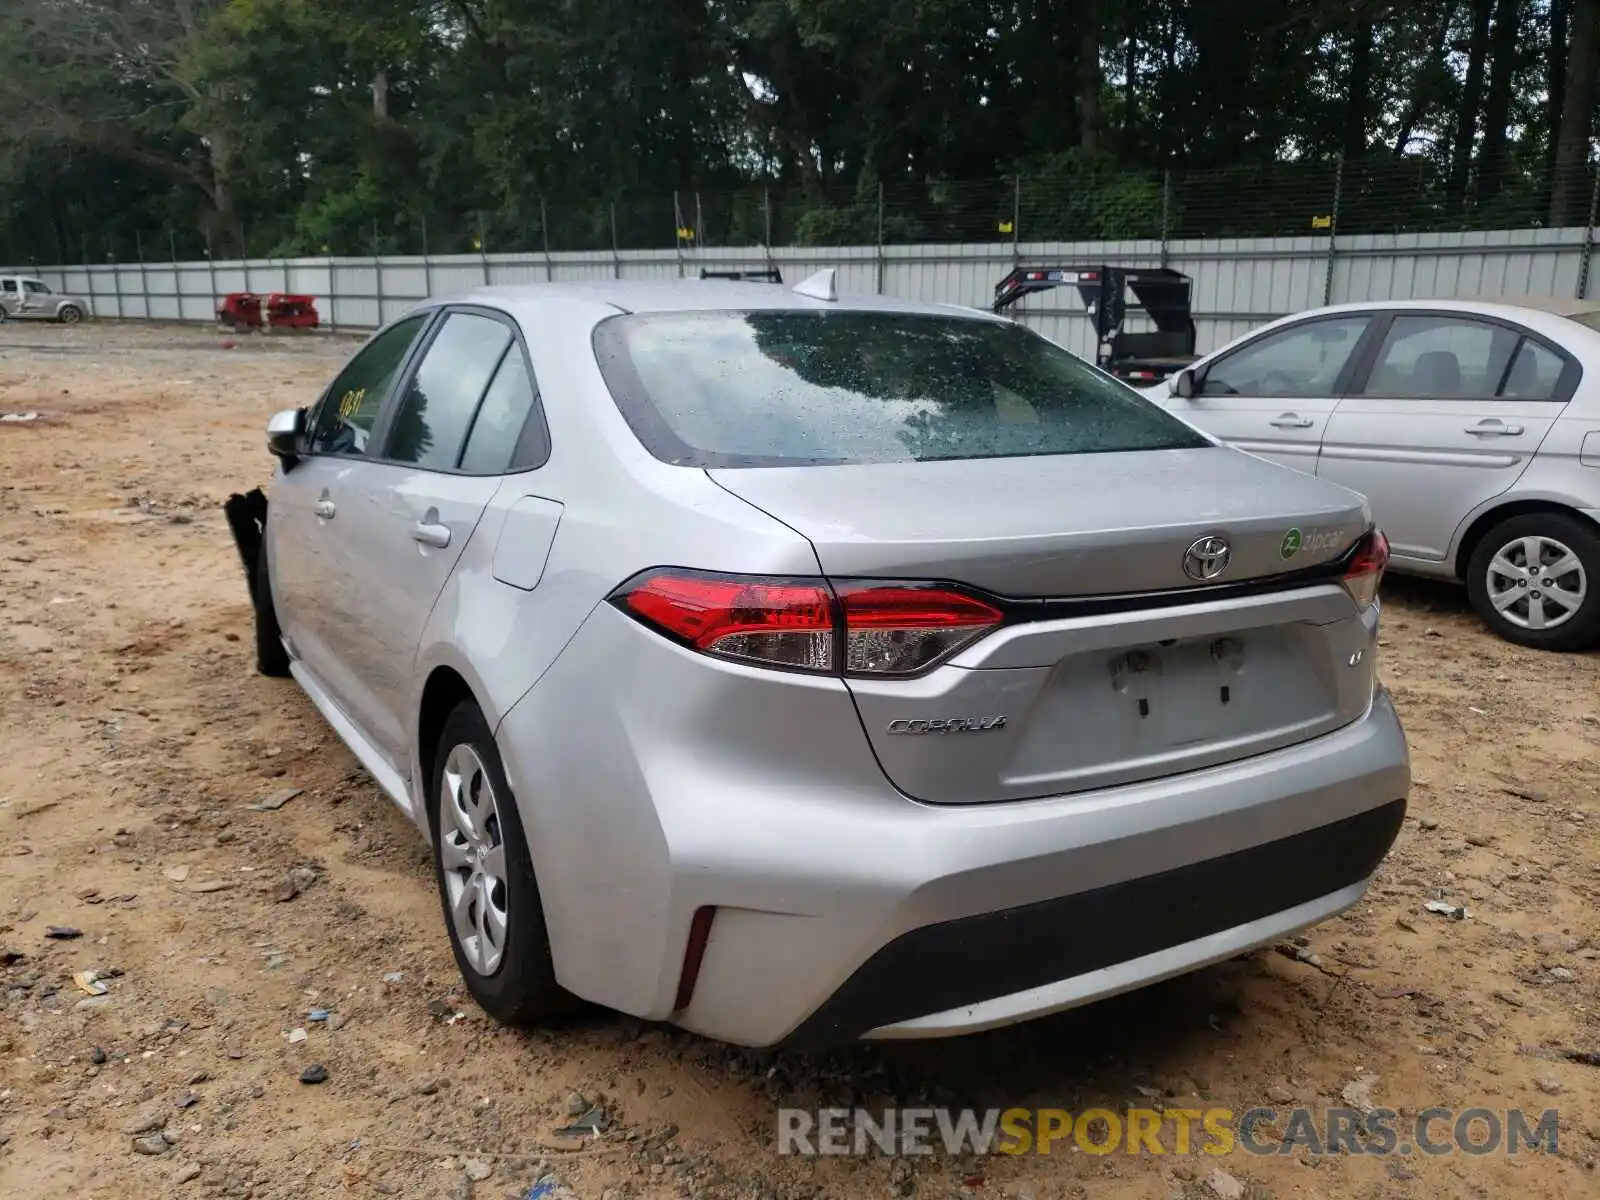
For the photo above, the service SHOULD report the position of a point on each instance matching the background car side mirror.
(1183, 384)
(286, 434)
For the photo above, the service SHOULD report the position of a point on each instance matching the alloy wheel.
(472, 853)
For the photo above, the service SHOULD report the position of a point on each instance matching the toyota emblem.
(1207, 558)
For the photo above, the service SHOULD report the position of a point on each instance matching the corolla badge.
(950, 725)
(1207, 558)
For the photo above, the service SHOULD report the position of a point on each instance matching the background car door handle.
(437, 536)
(1493, 427)
(324, 509)
(1291, 420)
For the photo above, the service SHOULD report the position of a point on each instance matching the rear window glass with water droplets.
(795, 387)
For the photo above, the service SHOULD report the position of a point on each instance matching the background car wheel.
(70, 314)
(271, 658)
(486, 882)
(1535, 579)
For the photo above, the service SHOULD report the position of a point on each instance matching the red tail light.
(884, 628)
(781, 623)
(1365, 572)
(894, 629)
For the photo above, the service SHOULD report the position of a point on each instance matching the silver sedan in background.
(802, 668)
(1472, 427)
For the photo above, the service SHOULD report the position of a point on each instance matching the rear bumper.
(655, 783)
(995, 968)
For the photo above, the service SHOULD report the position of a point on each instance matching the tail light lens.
(1365, 572)
(874, 629)
(773, 622)
(893, 629)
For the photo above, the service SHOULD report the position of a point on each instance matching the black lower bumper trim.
(978, 958)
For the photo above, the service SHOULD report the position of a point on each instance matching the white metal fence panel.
(1239, 283)
(1516, 262)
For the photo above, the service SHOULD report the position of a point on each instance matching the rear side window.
(1534, 374)
(501, 418)
(782, 388)
(1441, 358)
(432, 421)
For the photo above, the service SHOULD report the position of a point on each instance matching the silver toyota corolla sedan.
(801, 668)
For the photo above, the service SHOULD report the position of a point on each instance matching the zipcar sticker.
(1316, 541)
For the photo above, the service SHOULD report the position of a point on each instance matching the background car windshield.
(797, 387)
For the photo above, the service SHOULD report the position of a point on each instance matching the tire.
(514, 980)
(70, 314)
(272, 659)
(1497, 568)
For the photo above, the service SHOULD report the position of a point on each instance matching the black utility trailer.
(1109, 294)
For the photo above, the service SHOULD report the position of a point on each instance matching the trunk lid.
(1143, 687)
(1058, 525)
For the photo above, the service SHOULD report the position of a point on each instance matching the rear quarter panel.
(1557, 476)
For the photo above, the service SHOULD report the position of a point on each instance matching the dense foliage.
(353, 126)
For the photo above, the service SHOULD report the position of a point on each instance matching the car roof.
(1552, 317)
(1510, 307)
(694, 295)
(1564, 306)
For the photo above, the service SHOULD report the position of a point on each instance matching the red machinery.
(250, 310)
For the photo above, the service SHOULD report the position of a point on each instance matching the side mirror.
(286, 434)
(1183, 384)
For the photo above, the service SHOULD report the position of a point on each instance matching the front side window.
(344, 420)
(35, 287)
(432, 421)
(1441, 358)
(798, 387)
(1302, 361)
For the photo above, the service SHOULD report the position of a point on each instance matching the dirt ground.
(137, 746)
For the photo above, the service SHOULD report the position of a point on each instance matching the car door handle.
(324, 509)
(437, 536)
(1493, 427)
(1291, 420)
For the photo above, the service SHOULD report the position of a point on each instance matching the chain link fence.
(1088, 204)
(1257, 244)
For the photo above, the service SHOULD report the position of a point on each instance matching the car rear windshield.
(787, 388)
